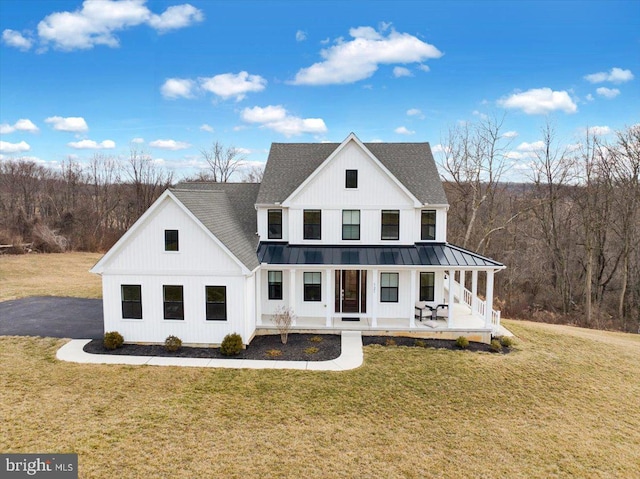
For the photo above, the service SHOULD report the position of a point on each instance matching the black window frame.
(426, 226)
(312, 281)
(274, 285)
(312, 230)
(131, 308)
(178, 305)
(350, 227)
(274, 229)
(170, 243)
(426, 288)
(213, 310)
(389, 294)
(351, 179)
(390, 226)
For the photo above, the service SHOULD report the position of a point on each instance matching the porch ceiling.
(419, 254)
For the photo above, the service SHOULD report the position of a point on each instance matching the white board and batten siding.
(200, 261)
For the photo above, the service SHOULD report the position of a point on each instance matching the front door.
(350, 287)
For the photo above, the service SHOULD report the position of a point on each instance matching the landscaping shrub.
(172, 343)
(113, 340)
(495, 346)
(462, 342)
(506, 341)
(316, 339)
(390, 342)
(274, 353)
(284, 318)
(311, 350)
(231, 344)
(420, 343)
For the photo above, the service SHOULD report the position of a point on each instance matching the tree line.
(569, 235)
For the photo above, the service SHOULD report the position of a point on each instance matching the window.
(312, 224)
(351, 179)
(173, 302)
(275, 224)
(426, 286)
(389, 287)
(312, 286)
(216, 303)
(428, 225)
(390, 224)
(171, 240)
(131, 301)
(350, 224)
(275, 284)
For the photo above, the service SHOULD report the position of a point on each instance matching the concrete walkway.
(351, 357)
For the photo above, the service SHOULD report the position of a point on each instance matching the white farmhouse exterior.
(349, 236)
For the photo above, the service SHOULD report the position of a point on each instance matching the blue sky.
(95, 77)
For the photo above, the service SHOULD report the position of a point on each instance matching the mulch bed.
(296, 349)
(426, 343)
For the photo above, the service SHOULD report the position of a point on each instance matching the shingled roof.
(412, 164)
(227, 210)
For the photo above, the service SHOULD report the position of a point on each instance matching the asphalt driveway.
(76, 318)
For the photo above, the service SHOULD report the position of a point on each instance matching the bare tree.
(148, 179)
(223, 161)
(253, 174)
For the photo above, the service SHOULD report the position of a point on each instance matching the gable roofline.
(98, 268)
(351, 137)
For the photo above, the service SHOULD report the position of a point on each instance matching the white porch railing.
(478, 306)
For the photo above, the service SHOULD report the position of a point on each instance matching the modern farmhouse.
(349, 236)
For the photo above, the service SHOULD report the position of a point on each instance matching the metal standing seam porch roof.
(419, 254)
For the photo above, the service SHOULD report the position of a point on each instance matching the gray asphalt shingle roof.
(289, 164)
(228, 211)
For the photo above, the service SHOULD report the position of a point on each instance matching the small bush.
(172, 343)
(274, 353)
(316, 339)
(420, 343)
(231, 344)
(462, 342)
(390, 342)
(495, 346)
(311, 350)
(113, 340)
(506, 341)
(284, 318)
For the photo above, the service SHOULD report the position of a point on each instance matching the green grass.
(563, 404)
(64, 274)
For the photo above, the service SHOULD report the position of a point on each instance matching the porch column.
(451, 299)
(374, 299)
(328, 298)
(412, 319)
(258, 297)
(489, 300)
(462, 287)
(292, 293)
(474, 292)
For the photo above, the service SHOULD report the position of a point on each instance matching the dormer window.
(351, 179)
(275, 224)
(428, 225)
(171, 240)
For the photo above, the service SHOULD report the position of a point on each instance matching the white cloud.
(351, 61)
(16, 39)
(22, 124)
(589, 97)
(177, 87)
(92, 145)
(516, 155)
(530, 147)
(170, 145)
(71, 123)
(415, 112)
(539, 101)
(479, 114)
(615, 75)
(510, 134)
(97, 22)
(608, 93)
(6, 147)
(599, 130)
(301, 36)
(401, 72)
(229, 85)
(424, 68)
(276, 117)
(205, 127)
(402, 130)
(138, 140)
